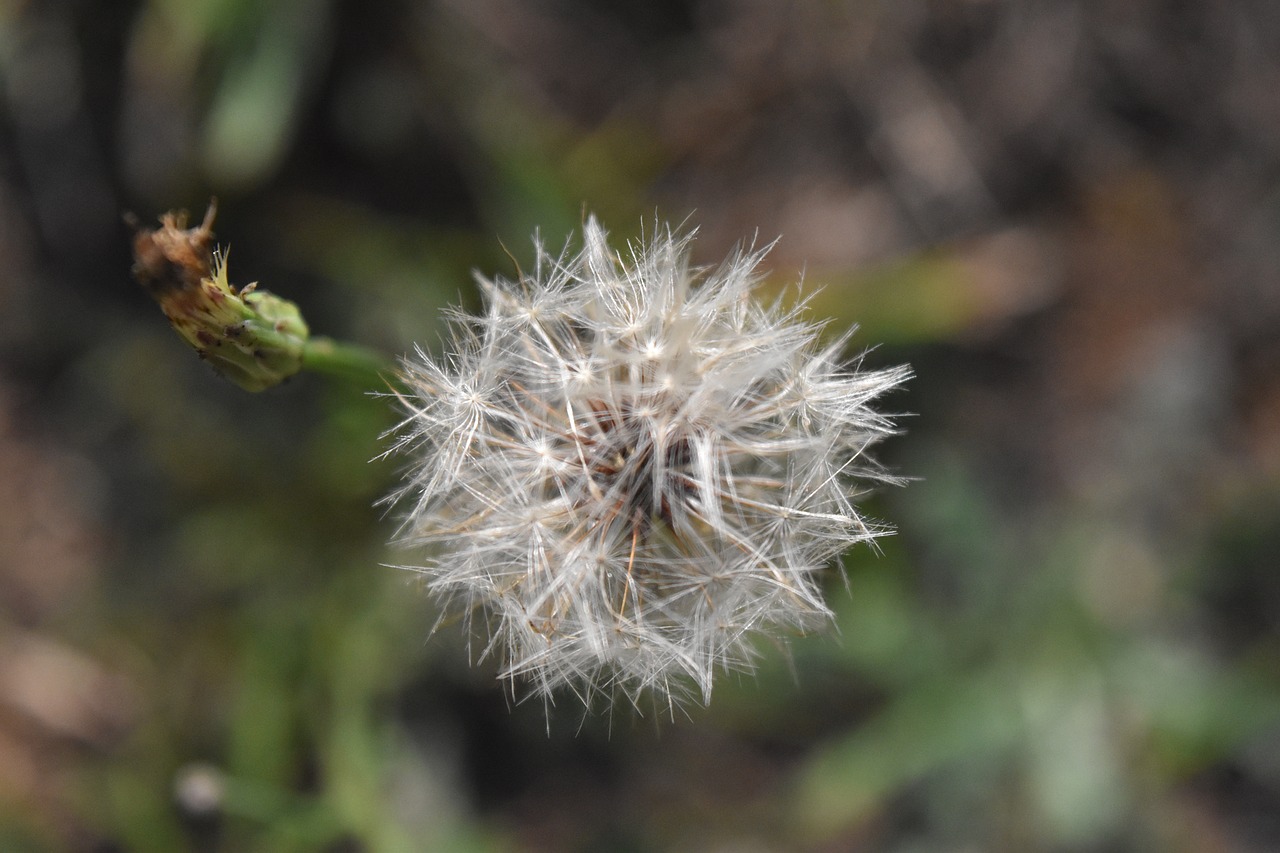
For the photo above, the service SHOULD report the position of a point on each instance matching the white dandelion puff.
(626, 469)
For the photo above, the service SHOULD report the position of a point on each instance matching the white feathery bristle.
(626, 470)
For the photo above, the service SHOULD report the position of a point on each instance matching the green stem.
(349, 362)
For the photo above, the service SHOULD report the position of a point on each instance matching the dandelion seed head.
(628, 470)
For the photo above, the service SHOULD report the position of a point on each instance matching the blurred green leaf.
(255, 110)
(847, 781)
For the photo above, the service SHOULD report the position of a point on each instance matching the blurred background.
(1065, 215)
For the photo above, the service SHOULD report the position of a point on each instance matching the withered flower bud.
(250, 336)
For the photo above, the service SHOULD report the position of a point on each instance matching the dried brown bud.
(250, 336)
(174, 257)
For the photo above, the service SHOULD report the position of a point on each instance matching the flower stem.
(349, 362)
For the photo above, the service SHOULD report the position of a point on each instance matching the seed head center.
(645, 473)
